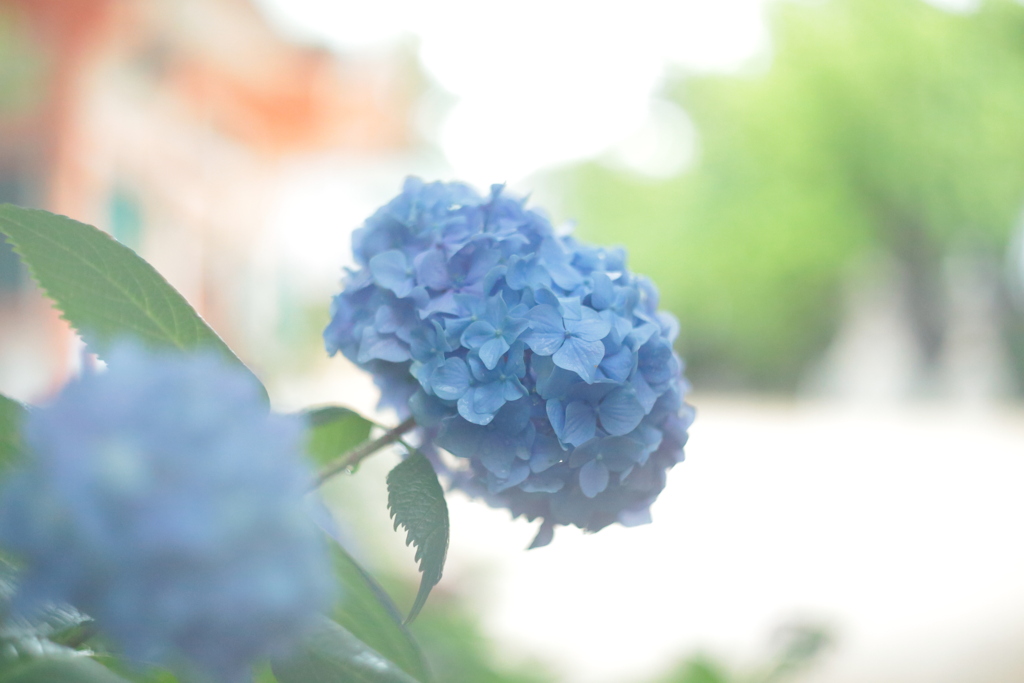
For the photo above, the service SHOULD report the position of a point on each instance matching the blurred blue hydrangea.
(541, 362)
(166, 502)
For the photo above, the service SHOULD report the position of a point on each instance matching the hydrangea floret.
(166, 502)
(540, 362)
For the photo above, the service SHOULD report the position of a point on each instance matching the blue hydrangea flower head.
(541, 363)
(166, 502)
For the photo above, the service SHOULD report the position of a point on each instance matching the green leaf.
(12, 414)
(331, 654)
(104, 289)
(132, 672)
(63, 669)
(370, 615)
(333, 431)
(416, 501)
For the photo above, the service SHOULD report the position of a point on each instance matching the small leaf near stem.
(362, 451)
(333, 431)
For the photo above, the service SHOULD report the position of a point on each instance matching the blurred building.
(167, 123)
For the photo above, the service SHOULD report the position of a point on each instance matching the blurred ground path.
(896, 526)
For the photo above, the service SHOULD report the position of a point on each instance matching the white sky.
(544, 82)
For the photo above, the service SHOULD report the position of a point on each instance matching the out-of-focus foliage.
(458, 650)
(796, 647)
(21, 65)
(878, 125)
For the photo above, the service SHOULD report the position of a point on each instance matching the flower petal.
(514, 389)
(517, 475)
(459, 437)
(467, 410)
(593, 478)
(432, 269)
(591, 327)
(581, 357)
(580, 423)
(619, 365)
(546, 453)
(492, 350)
(390, 270)
(488, 398)
(451, 380)
(387, 347)
(556, 416)
(547, 331)
(620, 411)
(498, 461)
(477, 334)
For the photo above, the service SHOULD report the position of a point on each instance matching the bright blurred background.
(829, 193)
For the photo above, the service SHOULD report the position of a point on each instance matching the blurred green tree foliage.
(796, 647)
(878, 125)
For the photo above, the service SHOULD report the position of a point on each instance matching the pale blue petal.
(517, 475)
(391, 271)
(547, 332)
(655, 362)
(492, 351)
(451, 380)
(619, 365)
(386, 320)
(440, 304)
(516, 361)
(545, 297)
(571, 308)
(556, 416)
(460, 438)
(468, 411)
(644, 393)
(620, 453)
(544, 483)
(546, 453)
(591, 327)
(488, 398)
(581, 357)
(374, 346)
(513, 418)
(514, 389)
(545, 534)
(620, 411)
(477, 334)
(580, 423)
(428, 410)
(593, 478)
(585, 453)
(499, 461)
(635, 517)
(640, 334)
(603, 295)
(432, 269)
(514, 327)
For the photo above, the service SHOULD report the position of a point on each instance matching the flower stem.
(363, 450)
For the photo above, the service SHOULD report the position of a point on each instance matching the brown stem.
(363, 450)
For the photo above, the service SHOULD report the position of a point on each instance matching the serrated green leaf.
(367, 611)
(331, 654)
(12, 414)
(333, 431)
(416, 501)
(103, 288)
(63, 669)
